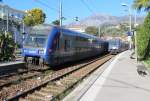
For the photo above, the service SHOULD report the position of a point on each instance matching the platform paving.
(11, 63)
(117, 80)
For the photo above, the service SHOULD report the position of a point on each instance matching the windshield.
(37, 37)
(114, 42)
(36, 40)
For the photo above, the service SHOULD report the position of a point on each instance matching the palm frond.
(139, 4)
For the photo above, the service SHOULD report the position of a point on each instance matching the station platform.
(116, 80)
(9, 67)
(11, 63)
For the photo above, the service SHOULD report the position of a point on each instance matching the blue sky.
(72, 8)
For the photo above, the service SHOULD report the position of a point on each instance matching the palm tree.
(139, 4)
(56, 22)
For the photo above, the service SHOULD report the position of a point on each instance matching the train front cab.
(37, 47)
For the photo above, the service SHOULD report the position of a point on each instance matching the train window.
(67, 45)
(57, 44)
(36, 40)
(57, 41)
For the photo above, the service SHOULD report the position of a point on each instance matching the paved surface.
(11, 63)
(120, 81)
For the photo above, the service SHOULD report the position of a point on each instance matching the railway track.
(54, 86)
(23, 74)
(5, 82)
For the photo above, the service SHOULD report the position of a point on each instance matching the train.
(117, 45)
(53, 45)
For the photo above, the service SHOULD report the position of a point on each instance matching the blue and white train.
(117, 45)
(51, 45)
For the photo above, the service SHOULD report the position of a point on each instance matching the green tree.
(143, 38)
(56, 22)
(92, 30)
(139, 4)
(115, 31)
(34, 17)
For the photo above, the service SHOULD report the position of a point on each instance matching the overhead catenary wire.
(51, 8)
(92, 5)
(88, 7)
(93, 12)
(57, 11)
(44, 4)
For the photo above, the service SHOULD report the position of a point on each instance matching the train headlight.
(114, 47)
(25, 50)
(41, 51)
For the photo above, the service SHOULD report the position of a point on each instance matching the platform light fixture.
(130, 17)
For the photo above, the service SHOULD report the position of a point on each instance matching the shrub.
(143, 37)
(7, 46)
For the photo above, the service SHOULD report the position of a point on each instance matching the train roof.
(79, 34)
(74, 33)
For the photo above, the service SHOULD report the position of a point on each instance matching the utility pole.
(130, 24)
(99, 31)
(60, 12)
(3, 23)
(130, 19)
(135, 37)
(60, 22)
(23, 31)
(23, 27)
(7, 21)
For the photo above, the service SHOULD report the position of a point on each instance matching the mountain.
(104, 19)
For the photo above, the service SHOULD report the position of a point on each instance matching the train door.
(55, 48)
(64, 47)
(68, 48)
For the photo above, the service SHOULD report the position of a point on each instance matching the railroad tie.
(51, 91)
(35, 98)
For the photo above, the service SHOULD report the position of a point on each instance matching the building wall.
(11, 12)
(9, 15)
(11, 20)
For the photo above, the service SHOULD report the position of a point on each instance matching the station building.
(11, 20)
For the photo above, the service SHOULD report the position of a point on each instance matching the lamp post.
(130, 22)
(135, 37)
(130, 17)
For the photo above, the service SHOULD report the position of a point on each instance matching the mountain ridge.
(104, 19)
